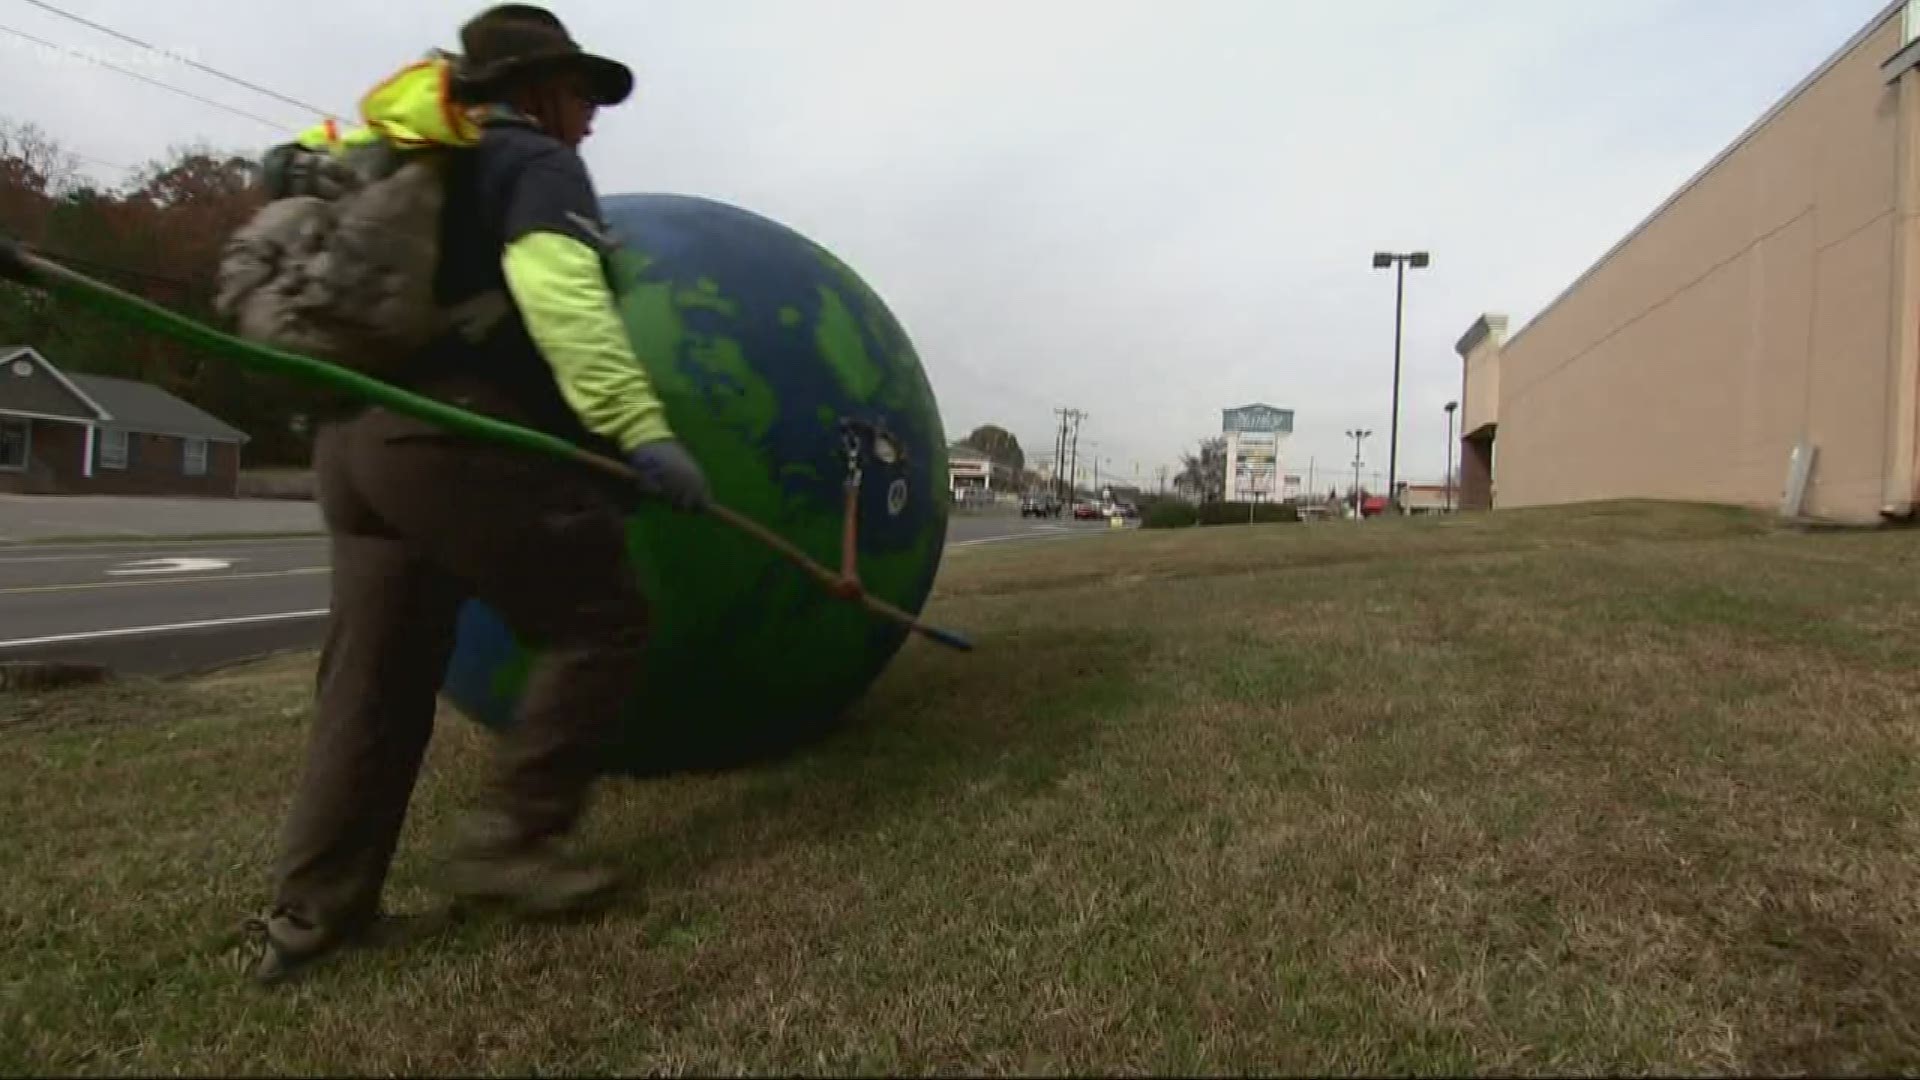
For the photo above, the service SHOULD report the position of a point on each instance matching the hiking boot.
(494, 862)
(278, 945)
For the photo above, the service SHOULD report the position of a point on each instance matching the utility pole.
(1382, 260)
(1450, 406)
(1073, 453)
(1356, 436)
(1059, 452)
(1065, 459)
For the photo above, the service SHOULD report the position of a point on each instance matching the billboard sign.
(1257, 418)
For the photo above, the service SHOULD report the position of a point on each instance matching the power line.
(234, 79)
(276, 125)
(101, 163)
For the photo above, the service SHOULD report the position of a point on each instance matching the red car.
(1085, 511)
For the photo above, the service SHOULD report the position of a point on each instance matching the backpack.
(340, 262)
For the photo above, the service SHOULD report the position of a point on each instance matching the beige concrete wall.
(1756, 309)
(1479, 350)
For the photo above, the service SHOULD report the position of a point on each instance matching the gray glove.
(668, 472)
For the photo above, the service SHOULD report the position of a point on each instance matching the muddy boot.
(494, 861)
(276, 946)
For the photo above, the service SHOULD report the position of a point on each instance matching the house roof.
(85, 407)
(131, 405)
(143, 407)
(968, 451)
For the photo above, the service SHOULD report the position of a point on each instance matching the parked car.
(1039, 506)
(1085, 511)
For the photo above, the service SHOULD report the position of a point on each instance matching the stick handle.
(21, 265)
(833, 583)
(13, 262)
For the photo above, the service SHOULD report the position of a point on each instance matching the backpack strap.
(476, 317)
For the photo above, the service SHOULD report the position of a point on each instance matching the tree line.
(157, 234)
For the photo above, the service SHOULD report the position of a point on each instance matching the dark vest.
(503, 374)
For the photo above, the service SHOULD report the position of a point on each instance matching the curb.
(148, 539)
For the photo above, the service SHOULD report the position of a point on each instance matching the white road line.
(148, 583)
(167, 628)
(117, 551)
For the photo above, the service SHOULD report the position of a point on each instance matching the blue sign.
(1257, 418)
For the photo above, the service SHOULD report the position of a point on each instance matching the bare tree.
(32, 159)
(1204, 474)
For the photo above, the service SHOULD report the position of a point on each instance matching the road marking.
(167, 628)
(170, 565)
(118, 550)
(149, 583)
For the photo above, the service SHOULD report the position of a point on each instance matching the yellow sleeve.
(562, 293)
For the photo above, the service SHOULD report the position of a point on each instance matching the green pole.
(18, 264)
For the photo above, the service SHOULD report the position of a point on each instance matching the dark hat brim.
(608, 81)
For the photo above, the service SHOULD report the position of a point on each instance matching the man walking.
(421, 520)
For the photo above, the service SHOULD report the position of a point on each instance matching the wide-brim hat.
(509, 42)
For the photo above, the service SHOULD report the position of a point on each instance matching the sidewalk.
(85, 517)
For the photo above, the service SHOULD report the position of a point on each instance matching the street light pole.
(1382, 260)
(1451, 405)
(1356, 436)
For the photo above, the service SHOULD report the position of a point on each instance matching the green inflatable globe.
(780, 369)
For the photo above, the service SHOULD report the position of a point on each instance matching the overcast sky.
(1149, 211)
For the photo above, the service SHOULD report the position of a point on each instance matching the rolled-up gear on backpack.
(291, 170)
(348, 279)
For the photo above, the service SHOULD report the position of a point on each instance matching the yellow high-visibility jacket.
(556, 279)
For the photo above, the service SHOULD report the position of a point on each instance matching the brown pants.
(420, 520)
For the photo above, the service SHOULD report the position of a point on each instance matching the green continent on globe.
(762, 344)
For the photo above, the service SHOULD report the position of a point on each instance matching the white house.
(972, 474)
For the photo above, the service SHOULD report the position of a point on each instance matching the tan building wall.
(1759, 307)
(1479, 350)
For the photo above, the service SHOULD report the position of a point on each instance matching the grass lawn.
(1615, 789)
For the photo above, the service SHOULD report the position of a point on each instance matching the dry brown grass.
(1617, 790)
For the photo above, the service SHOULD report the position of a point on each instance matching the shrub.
(1168, 514)
(1235, 513)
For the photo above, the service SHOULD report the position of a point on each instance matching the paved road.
(156, 607)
